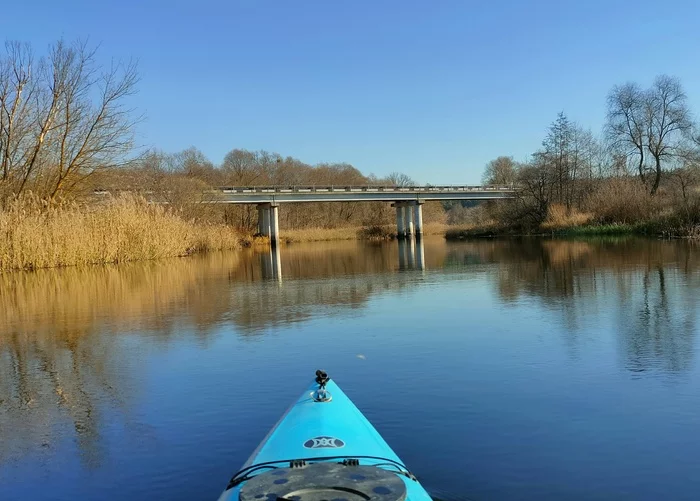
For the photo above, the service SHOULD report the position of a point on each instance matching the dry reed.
(435, 228)
(319, 234)
(35, 234)
(353, 233)
(559, 218)
(623, 201)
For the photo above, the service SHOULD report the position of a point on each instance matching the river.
(497, 369)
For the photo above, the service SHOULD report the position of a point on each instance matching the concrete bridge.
(408, 201)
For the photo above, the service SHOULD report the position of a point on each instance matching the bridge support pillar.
(264, 220)
(261, 224)
(400, 222)
(269, 222)
(408, 218)
(418, 218)
(274, 225)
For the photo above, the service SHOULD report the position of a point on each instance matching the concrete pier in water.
(409, 219)
(269, 222)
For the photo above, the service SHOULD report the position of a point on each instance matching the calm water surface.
(498, 370)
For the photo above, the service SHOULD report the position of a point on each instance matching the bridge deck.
(278, 194)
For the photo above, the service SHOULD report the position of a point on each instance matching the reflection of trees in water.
(256, 307)
(657, 325)
(656, 316)
(71, 302)
(61, 357)
(60, 352)
(43, 382)
(196, 293)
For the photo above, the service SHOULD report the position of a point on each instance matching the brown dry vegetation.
(612, 205)
(378, 232)
(622, 200)
(319, 234)
(37, 234)
(559, 218)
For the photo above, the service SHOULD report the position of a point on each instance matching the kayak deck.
(314, 431)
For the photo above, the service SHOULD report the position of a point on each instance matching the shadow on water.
(60, 358)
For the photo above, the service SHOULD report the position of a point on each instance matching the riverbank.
(383, 232)
(649, 229)
(35, 234)
(665, 222)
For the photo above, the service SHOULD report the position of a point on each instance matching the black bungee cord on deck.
(249, 472)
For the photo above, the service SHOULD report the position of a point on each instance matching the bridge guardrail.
(301, 189)
(359, 189)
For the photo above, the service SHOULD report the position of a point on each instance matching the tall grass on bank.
(319, 234)
(36, 234)
(368, 232)
(599, 230)
(462, 232)
(561, 218)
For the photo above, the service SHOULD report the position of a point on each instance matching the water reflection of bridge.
(411, 256)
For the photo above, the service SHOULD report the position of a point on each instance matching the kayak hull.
(330, 429)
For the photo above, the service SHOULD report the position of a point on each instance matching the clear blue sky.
(433, 88)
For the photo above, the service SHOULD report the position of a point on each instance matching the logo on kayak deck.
(324, 443)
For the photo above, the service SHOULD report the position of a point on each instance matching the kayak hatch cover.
(324, 449)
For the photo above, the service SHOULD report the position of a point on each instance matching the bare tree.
(62, 117)
(667, 120)
(17, 92)
(617, 167)
(537, 190)
(501, 171)
(399, 179)
(193, 164)
(241, 168)
(654, 121)
(625, 127)
(686, 178)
